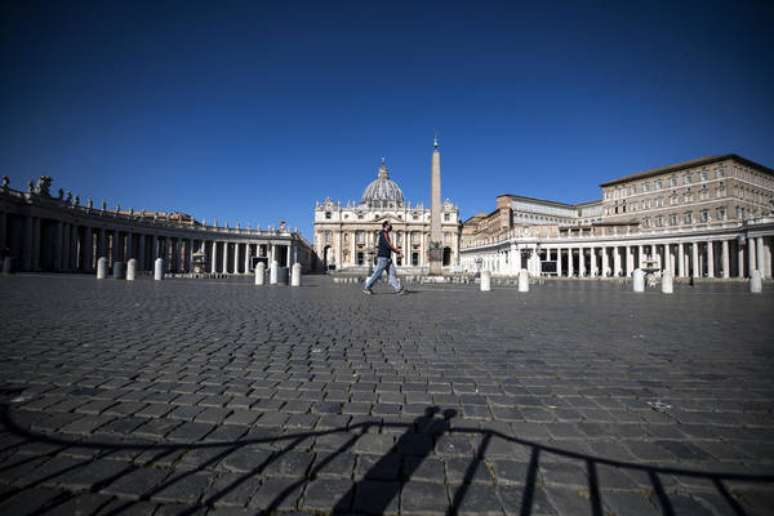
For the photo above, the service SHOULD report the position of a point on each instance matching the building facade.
(345, 235)
(710, 217)
(42, 232)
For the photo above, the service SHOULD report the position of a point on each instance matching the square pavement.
(220, 397)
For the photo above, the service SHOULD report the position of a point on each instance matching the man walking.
(384, 261)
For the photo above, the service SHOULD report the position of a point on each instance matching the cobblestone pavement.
(219, 397)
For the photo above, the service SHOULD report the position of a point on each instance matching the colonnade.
(41, 233)
(717, 257)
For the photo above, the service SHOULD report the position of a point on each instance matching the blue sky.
(250, 111)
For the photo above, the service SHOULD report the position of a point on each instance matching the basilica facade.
(345, 235)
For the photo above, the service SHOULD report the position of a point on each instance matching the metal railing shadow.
(420, 438)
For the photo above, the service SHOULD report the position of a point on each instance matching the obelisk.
(436, 236)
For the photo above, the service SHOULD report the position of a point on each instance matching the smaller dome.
(383, 189)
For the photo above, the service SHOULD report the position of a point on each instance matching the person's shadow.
(367, 496)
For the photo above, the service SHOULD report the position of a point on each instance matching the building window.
(704, 193)
(704, 215)
(704, 175)
(688, 179)
(688, 218)
(721, 171)
(659, 185)
(659, 221)
(673, 219)
(721, 214)
(328, 215)
(673, 181)
(446, 217)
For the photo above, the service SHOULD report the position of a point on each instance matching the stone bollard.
(102, 268)
(295, 278)
(273, 272)
(756, 283)
(119, 270)
(131, 270)
(486, 281)
(260, 273)
(7, 265)
(667, 283)
(523, 281)
(158, 269)
(638, 280)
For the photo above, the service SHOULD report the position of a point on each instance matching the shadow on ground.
(418, 440)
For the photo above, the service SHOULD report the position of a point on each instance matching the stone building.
(59, 234)
(709, 217)
(345, 235)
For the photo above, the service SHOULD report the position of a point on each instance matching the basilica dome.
(383, 189)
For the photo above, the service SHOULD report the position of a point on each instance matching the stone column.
(3, 230)
(695, 259)
(74, 247)
(710, 259)
(37, 243)
(65, 252)
(353, 251)
(154, 249)
(225, 257)
(339, 248)
(751, 252)
(141, 252)
(767, 256)
(581, 262)
(247, 258)
(617, 260)
(214, 258)
(288, 255)
(129, 246)
(593, 262)
(114, 247)
(740, 259)
(558, 260)
(629, 260)
(761, 259)
(605, 261)
(659, 261)
(680, 260)
(570, 265)
(88, 249)
(725, 261)
(28, 245)
(57, 247)
(236, 257)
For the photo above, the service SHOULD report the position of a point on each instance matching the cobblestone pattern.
(214, 397)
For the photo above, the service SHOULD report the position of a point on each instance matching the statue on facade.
(30, 187)
(77, 201)
(104, 205)
(69, 197)
(90, 203)
(60, 194)
(43, 185)
(6, 183)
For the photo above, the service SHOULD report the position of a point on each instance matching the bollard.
(667, 283)
(523, 280)
(486, 281)
(102, 268)
(273, 272)
(7, 265)
(158, 269)
(295, 279)
(638, 280)
(131, 270)
(119, 271)
(756, 284)
(260, 273)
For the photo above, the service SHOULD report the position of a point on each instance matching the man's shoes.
(402, 292)
(367, 291)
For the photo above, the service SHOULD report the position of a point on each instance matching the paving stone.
(424, 498)
(184, 488)
(325, 493)
(377, 497)
(136, 484)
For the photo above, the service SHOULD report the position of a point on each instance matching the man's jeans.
(383, 263)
